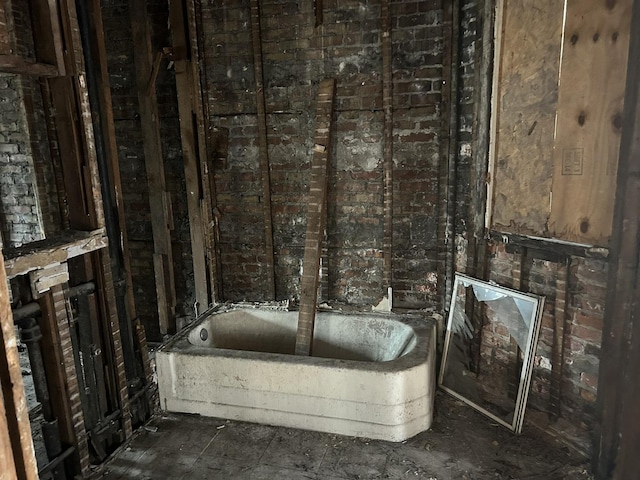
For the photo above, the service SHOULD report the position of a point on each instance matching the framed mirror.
(489, 348)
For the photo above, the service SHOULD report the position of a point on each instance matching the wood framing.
(111, 327)
(55, 249)
(107, 125)
(5, 43)
(256, 42)
(316, 217)
(15, 423)
(159, 199)
(557, 349)
(190, 119)
(617, 432)
(387, 151)
(17, 64)
(208, 148)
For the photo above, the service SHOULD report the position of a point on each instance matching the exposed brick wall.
(18, 201)
(296, 57)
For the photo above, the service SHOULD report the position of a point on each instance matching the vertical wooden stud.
(387, 152)
(256, 42)
(163, 256)
(16, 419)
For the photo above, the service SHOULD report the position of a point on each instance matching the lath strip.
(316, 217)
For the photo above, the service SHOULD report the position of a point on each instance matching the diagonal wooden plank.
(316, 217)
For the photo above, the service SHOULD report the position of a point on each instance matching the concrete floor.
(461, 444)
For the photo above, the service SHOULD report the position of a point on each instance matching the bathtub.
(370, 375)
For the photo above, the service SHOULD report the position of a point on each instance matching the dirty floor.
(461, 444)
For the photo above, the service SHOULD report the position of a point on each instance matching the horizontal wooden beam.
(16, 64)
(58, 249)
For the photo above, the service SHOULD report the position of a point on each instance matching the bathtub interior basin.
(344, 337)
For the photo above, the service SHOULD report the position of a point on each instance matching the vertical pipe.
(448, 151)
(31, 335)
(111, 222)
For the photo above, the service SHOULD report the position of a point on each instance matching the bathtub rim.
(421, 325)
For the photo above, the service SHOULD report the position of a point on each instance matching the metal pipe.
(111, 221)
(55, 462)
(32, 309)
(30, 334)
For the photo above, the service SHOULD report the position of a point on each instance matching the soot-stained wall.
(296, 56)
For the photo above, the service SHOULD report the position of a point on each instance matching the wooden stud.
(108, 129)
(57, 353)
(190, 126)
(47, 32)
(5, 40)
(163, 256)
(7, 464)
(209, 146)
(482, 114)
(256, 41)
(387, 153)
(15, 423)
(316, 217)
(111, 327)
(617, 432)
(557, 349)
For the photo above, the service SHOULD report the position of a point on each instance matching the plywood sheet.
(526, 103)
(589, 122)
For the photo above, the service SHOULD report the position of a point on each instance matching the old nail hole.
(617, 121)
(584, 226)
(582, 118)
(204, 334)
(596, 36)
(614, 36)
(611, 4)
(574, 39)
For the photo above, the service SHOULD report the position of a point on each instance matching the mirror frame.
(528, 354)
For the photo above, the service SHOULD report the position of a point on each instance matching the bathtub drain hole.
(204, 334)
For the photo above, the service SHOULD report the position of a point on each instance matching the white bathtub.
(370, 375)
